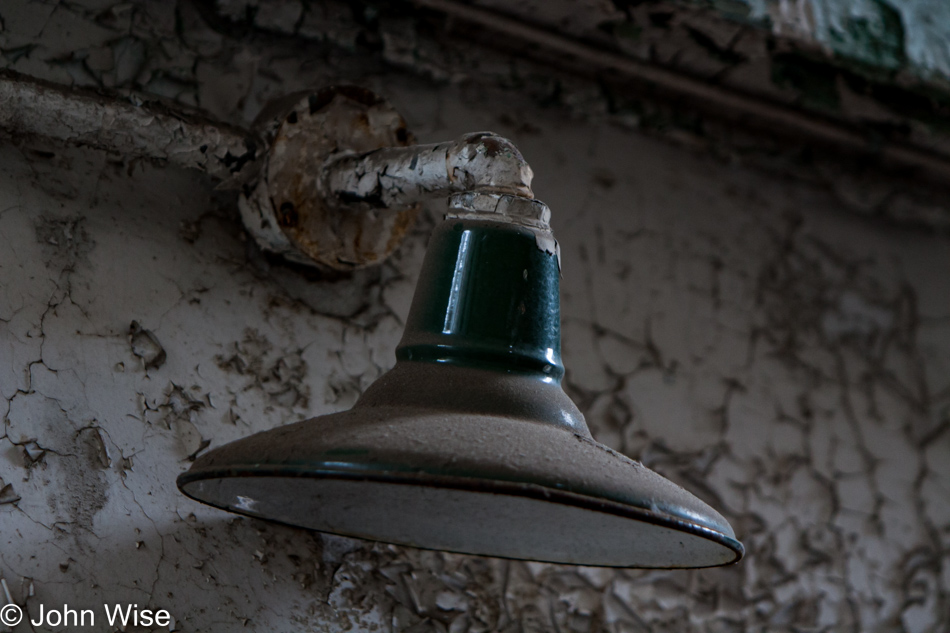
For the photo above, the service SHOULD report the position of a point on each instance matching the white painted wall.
(786, 361)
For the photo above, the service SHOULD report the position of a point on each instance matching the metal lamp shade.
(469, 444)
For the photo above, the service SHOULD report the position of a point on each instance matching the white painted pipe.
(399, 176)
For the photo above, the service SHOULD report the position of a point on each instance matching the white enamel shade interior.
(501, 522)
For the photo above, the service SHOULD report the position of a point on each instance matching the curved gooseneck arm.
(394, 177)
(312, 181)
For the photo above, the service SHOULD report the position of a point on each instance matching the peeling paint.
(396, 177)
(911, 34)
(135, 127)
(791, 369)
(199, 53)
(731, 329)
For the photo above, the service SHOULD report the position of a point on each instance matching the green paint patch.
(871, 32)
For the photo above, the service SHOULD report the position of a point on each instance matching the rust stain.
(319, 124)
(404, 221)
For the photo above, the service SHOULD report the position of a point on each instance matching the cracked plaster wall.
(895, 35)
(230, 57)
(738, 333)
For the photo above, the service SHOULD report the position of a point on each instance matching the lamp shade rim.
(525, 490)
(454, 470)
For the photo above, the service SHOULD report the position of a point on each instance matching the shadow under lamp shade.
(469, 444)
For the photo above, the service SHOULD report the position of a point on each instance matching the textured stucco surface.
(741, 334)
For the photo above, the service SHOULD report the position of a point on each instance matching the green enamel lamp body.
(488, 297)
(469, 444)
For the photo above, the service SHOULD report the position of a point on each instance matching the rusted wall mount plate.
(287, 211)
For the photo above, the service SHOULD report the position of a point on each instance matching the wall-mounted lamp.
(468, 444)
